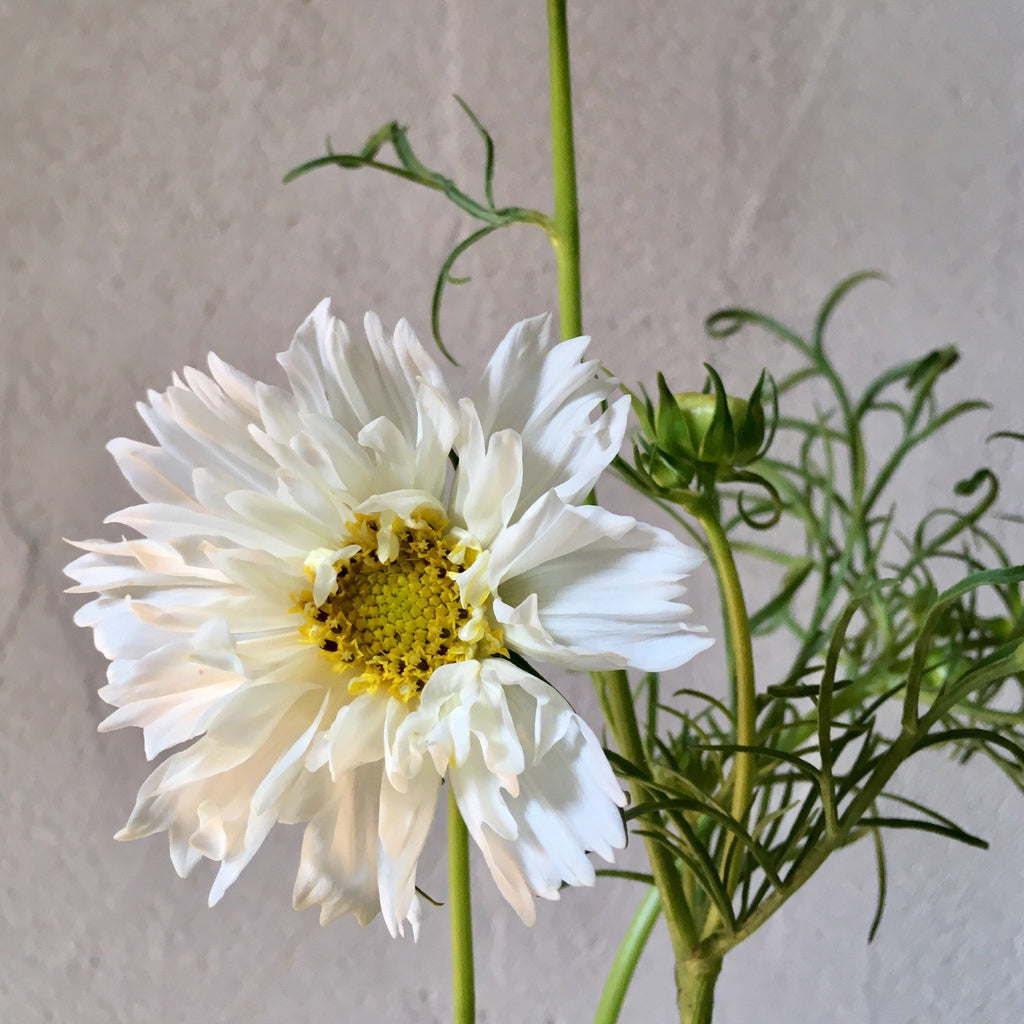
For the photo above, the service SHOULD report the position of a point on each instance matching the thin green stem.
(566, 234)
(463, 983)
(613, 687)
(743, 656)
(627, 957)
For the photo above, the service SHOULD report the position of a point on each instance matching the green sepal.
(719, 442)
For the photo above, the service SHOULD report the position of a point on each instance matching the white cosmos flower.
(327, 612)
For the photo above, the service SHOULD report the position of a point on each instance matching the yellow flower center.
(396, 613)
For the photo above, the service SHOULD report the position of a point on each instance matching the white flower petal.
(168, 691)
(278, 518)
(285, 662)
(335, 457)
(576, 448)
(127, 566)
(549, 397)
(356, 382)
(258, 573)
(244, 613)
(154, 474)
(159, 587)
(419, 461)
(172, 524)
(567, 803)
(405, 819)
(207, 797)
(264, 807)
(587, 589)
(349, 380)
(489, 478)
(207, 430)
(118, 632)
(238, 387)
(461, 706)
(354, 738)
(338, 864)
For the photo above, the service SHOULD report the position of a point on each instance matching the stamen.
(396, 620)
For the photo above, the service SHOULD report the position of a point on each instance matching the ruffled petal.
(338, 864)
(118, 632)
(489, 478)
(405, 819)
(168, 691)
(220, 797)
(459, 702)
(120, 568)
(567, 800)
(587, 589)
(551, 399)
(354, 738)
(387, 392)
(321, 467)
(197, 424)
(151, 582)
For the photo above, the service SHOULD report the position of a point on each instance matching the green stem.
(566, 234)
(613, 687)
(621, 714)
(699, 977)
(742, 660)
(624, 965)
(463, 984)
(743, 656)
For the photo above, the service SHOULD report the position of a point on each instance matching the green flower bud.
(703, 432)
(710, 439)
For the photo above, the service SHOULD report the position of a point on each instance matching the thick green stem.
(742, 660)
(463, 984)
(632, 945)
(566, 234)
(698, 988)
(682, 929)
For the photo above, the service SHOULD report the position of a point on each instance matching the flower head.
(710, 435)
(328, 614)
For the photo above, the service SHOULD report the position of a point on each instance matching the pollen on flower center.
(396, 613)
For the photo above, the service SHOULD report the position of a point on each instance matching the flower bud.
(703, 433)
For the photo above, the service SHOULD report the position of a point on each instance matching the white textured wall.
(750, 150)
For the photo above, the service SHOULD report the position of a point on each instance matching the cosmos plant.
(343, 594)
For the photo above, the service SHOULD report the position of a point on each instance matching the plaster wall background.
(747, 151)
